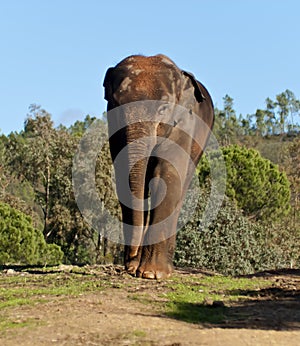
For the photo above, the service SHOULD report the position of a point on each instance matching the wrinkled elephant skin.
(160, 147)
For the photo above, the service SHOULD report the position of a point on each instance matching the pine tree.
(254, 183)
(21, 243)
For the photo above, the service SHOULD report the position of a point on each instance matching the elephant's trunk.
(131, 167)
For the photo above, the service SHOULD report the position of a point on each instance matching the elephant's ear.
(108, 88)
(198, 93)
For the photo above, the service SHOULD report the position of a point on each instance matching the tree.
(30, 157)
(292, 167)
(228, 107)
(260, 122)
(100, 169)
(280, 114)
(294, 109)
(245, 124)
(227, 127)
(282, 103)
(255, 184)
(79, 127)
(21, 243)
(42, 156)
(4, 177)
(18, 193)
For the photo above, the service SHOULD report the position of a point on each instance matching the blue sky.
(55, 53)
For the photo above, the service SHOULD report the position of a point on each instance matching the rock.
(10, 272)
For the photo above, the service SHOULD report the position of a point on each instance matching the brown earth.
(118, 316)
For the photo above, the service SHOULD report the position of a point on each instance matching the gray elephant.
(156, 138)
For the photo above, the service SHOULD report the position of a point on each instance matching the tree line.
(260, 216)
(279, 117)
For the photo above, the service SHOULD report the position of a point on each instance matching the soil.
(117, 317)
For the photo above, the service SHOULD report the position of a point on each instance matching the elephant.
(153, 136)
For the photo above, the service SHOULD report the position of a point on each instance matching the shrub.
(21, 243)
(231, 244)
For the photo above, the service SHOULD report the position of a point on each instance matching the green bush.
(231, 244)
(21, 243)
(254, 183)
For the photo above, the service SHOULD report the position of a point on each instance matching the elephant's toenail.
(149, 275)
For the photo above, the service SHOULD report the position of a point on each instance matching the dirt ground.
(117, 317)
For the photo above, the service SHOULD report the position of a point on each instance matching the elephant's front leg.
(133, 252)
(160, 237)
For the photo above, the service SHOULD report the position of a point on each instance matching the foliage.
(94, 170)
(286, 236)
(227, 128)
(19, 194)
(255, 184)
(231, 244)
(36, 176)
(21, 243)
(42, 156)
(277, 118)
(292, 166)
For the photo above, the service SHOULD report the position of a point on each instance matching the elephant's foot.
(132, 259)
(156, 263)
(154, 271)
(131, 266)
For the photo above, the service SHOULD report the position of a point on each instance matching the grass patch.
(6, 324)
(142, 298)
(205, 299)
(139, 333)
(32, 289)
(134, 338)
(196, 313)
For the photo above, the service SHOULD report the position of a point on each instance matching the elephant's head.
(139, 78)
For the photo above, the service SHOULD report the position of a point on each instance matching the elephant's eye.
(163, 109)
